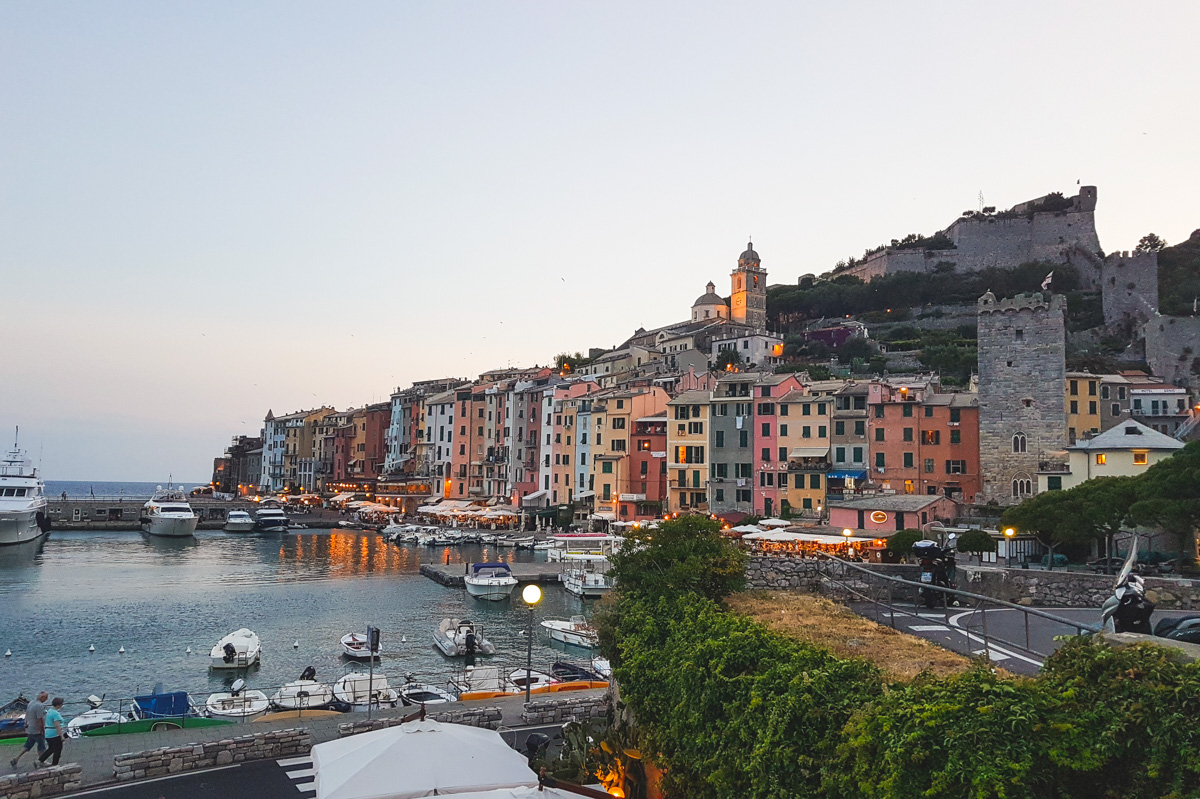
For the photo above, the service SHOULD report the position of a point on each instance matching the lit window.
(1101, 459)
(1139, 459)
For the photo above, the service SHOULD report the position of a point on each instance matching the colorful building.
(687, 447)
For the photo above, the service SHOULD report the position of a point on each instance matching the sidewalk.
(95, 754)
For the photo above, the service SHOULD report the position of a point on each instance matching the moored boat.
(458, 637)
(490, 581)
(168, 514)
(575, 631)
(356, 646)
(415, 693)
(271, 520)
(303, 693)
(23, 516)
(360, 690)
(240, 649)
(237, 702)
(12, 718)
(239, 521)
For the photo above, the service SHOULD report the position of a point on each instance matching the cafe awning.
(530, 500)
(809, 452)
(851, 475)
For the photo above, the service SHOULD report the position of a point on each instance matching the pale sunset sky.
(212, 209)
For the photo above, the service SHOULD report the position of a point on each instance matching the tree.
(684, 555)
(902, 541)
(727, 360)
(1106, 503)
(976, 541)
(1150, 243)
(1168, 494)
(1053, 518)
(856, 347)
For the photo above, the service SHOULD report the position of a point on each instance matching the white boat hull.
(247, 651)
(239, 527)
(589, 585)
(242, 706)
(20, 527)
(303, 695)
(573, 638)
(170, 527)
(358, 691)
(491, 590)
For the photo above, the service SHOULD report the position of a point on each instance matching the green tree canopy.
(902, 541)
(976, 541)
(683, 555)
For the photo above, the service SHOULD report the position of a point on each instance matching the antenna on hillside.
(981, 201)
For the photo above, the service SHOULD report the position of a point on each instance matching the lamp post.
(532, 594)
(1009, 534)
(847, 532)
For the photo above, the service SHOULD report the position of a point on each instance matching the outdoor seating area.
(459, 513)
(806, 542)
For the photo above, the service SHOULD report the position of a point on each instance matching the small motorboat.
(304, 693)
(95, 718)
(576, 632)
(602, 667)
(237, 702)
(240, 649)
(490, 581)
(459, 637)
(356, 646)
(569, 672)
(537, 679)
(238, 521)
(359, 690)
(415, 693)
(12, 718)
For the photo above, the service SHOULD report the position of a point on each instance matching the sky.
(212, 209)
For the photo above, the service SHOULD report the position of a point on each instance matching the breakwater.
(123, 512)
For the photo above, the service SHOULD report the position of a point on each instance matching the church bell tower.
(748, 303)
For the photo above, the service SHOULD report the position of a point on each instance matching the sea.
(300, 592)
(108, 488)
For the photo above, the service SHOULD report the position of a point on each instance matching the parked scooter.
(1128, 610)
(937, 569)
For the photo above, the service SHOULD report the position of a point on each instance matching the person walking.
(35, 727)
(55, 732)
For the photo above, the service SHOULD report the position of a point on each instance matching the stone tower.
(1022, 368)
(748, 304)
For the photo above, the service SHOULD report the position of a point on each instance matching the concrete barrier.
(189, 757)
(48, 781)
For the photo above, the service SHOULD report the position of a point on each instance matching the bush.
(687, 555)
(902, 541)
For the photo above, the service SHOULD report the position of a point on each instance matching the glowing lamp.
(532, 594)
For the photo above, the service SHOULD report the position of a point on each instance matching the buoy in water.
(296, 645)
(92, 648)
(188, 651)
(404, 639)
(7, 653)
(121, 651)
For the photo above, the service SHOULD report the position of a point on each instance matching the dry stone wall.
(189, 757)
(49, 781)
(487, 717)
(1070, 589)
(561, 711)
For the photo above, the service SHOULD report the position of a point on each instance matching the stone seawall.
(776, 573)
(1069, 589)
(487, 717)
(189, 757)
(48, 781)
(561, 711)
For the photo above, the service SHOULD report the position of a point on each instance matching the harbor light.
(532, 594)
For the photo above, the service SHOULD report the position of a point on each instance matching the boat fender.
(43, 522)
(309, 673)
(230, 653)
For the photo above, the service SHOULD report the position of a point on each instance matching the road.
(960, 630)
(290, 778)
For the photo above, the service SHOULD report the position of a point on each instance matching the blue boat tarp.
(163, 706)
(478, 567)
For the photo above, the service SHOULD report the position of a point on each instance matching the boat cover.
(168, 705)
(478, 567)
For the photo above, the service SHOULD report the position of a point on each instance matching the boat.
(168, 514)
(491, 581)
(569, 672)
(359, 690)
(94, 718)
(271, 520)
(587, 579)
(159, 710)
(303, 693)
(602, 667)
(458, 637)
(415, 693)
(237, 702)
(239, 521)
(240, 649)
(574, 545)
(575, 631)
(355, 645)
(12, 718)
(536, 679)
(23, 516)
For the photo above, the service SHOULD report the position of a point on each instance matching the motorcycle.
(1128, 610)
(937, 569)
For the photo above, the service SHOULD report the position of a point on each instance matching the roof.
(854, 389)
(894, 502)
(956, 399)
(749, 255)
(708, 299)
(694, 397)
(809, 452)
(1129, 435)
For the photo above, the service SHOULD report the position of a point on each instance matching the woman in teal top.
(56, 731)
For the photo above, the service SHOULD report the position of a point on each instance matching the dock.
(452, 575)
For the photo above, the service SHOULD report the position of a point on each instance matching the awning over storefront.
(531, 500)
(809, 452)
(341, 497)
(781, 537)
(585, 494)
(603, 516)
(857, 475)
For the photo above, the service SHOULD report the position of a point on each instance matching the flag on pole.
(1046, 282)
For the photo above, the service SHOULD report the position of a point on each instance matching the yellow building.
(613, 418)
(1127, 450)
(1082, 405)
(805, 423)
(687, 457)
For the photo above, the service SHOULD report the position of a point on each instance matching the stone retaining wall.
(48, 781)
(786, 573)
(487, 717)
(189, 757)
(560, 711)
(1070, 589)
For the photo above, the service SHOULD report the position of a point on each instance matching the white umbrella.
(422, 758)
(520, 793)
(774, 523)
(747, 528)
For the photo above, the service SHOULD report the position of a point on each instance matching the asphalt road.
(290, 778)
(961, 629)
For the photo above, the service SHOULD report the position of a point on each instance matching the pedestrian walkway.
(95, 753)
(300, 770)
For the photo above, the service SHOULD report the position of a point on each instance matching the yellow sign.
(878, 516)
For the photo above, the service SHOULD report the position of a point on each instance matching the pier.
(452, 575)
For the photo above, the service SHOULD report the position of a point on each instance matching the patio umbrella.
(774, 523)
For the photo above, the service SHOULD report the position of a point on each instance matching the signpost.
(373, 646)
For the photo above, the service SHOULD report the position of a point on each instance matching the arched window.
(1022, 486)
(1019, 443)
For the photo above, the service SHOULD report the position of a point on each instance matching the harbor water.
(300, 592)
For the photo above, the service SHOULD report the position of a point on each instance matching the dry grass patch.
(816, 620)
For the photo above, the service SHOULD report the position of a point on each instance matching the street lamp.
(532, 594)
(1009, 533)
(846, 533)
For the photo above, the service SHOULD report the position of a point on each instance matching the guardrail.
(882, 589)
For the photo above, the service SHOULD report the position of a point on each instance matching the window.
(814, 480)
(1074, 406)
(783, 410)
(931, 437)
(880, 460)
(956, 467)
(821, 430)
(860, 428)
(1103, 395)
(929, 466)
(908, 434)
(1091, 388)
(694, 428)
(907, 410)
(743, 469)
(743, 438)
(618, 423)
(1092, 407)
(1116, 409)
(821, 408)
(620, 404)
(720, 495)
(766, 408)
(1139, 459)
(1101, 459)
(839, 454)
(1074, 388)
(1120, 392)
(806, 409)
(766, 453)
(766, 429)
(1054, 483)
(617, 445)
(806, 503)
(1020, 335)
(783, 427)
(806, 432)
(839, 428)
(783, 454)
(908, 460)
(766, 479)
(722, 409)
(858, 454)
(720, 442)
(720, 469)
(955, 436)
(1022, 486)
(743, 495)
(879, 434)
(928, 411)
(1019, 444)
(879, 411)
(606, 468)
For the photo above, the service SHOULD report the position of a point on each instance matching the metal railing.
(882, 588)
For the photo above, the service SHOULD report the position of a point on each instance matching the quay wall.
(561, 711)
(122, 513)
(486, 717)
(48, 781)
(190, 757)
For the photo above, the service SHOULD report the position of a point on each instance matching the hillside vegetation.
(1178, 277)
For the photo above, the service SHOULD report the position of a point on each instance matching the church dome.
(709, 297)
(749, 256)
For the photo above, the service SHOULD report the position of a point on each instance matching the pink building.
(892, 512)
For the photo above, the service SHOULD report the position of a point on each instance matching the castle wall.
(1022, 366)
(1129, 288)
(1172, 346)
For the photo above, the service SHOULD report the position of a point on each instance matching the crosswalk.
(992, 653)
(300, 770)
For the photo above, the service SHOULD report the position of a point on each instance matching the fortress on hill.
(1052, 229)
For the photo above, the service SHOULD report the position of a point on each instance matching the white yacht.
(238, 521)
(491, 581)
(22, 500)
(271, 520)
(168, 514)
(576, 632)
